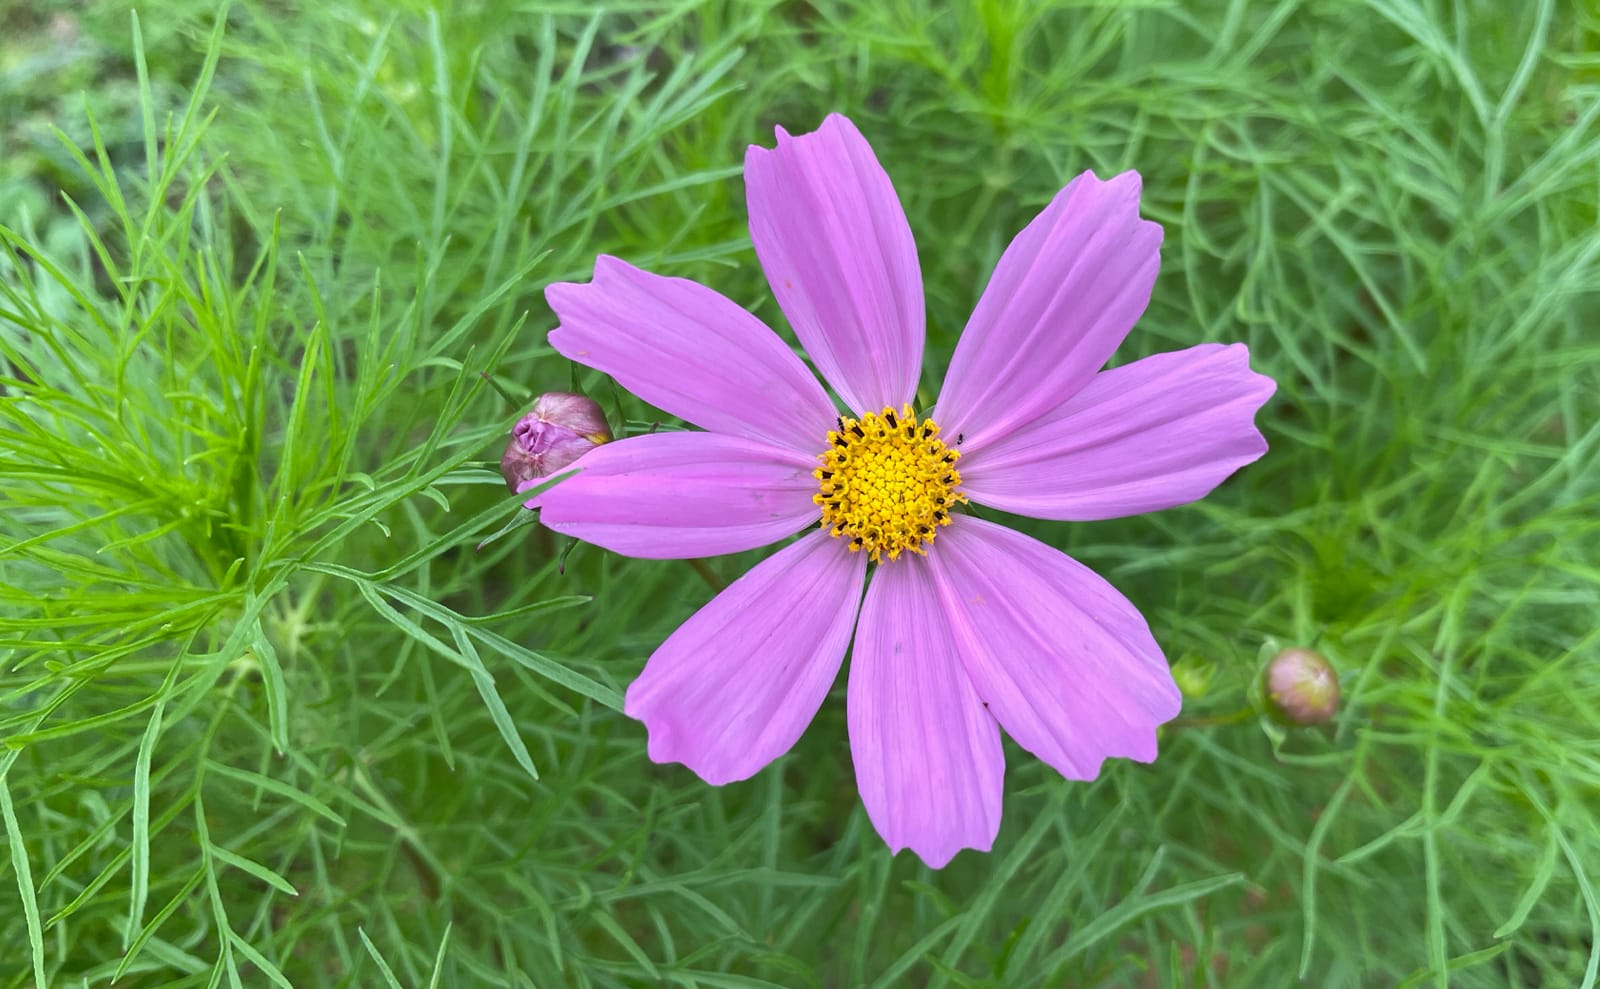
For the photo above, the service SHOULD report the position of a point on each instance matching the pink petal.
(838, 252)
(735, 686)
(1064, 294)
(927, 754)
(1063, 662)
(1159, 432)
(669, 496)
(690, 352)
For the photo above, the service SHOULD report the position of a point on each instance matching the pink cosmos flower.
(967, 626)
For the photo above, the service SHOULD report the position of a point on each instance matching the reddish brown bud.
(561, 428)
(1301, 687)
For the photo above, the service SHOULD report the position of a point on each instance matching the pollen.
(887, 483)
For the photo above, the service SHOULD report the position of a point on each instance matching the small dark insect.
(960, 437)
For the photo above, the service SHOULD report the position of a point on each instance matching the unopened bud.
(1194, 676)
(1302, 687)
(561, 428)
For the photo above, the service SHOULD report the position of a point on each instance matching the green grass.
(270, 717)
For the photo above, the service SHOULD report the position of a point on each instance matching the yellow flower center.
(887, 483)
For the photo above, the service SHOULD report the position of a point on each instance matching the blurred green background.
(271, 716)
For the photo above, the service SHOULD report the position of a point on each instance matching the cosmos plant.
(965, 626)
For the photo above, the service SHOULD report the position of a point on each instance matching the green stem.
(1216, 720)
(708, 575)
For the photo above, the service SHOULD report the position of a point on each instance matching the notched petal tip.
(665, 749)
(736, 685)
(833, 121)
(605, 266)
(836, 122)
(1124, 194)
(1066, 291)
(1129, 181)
(939, 856)
(831, 235)
(1153, 434)
(1255, 390)
(927, 755)
(1145, 750)
(941, 851)
(1064, 662)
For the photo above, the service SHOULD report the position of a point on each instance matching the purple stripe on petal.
(1064, 295)
(927, 755)
(1160, 432)
(692, 352)
(838, 252)
(736, 685)
(682, 495)
(1065, 663)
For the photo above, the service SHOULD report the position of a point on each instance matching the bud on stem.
(561, 428)
(1302, 687)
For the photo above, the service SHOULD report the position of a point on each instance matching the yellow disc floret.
(887, 483)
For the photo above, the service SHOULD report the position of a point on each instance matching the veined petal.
(1160, 432)
(735, 686)
(691, 352)
(927, 755)
(669, 496)
(836, 247)
(1065, 293)
(1065, 663)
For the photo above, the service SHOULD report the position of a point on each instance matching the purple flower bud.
(1301, 687)
(561, 428)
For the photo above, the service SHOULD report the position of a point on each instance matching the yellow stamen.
(887, 483)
